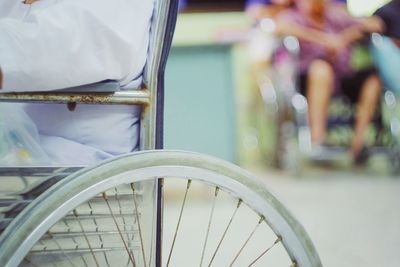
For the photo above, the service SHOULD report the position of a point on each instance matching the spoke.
(86, 238)
(209, 225)
(73, 240)
(105, 255)
(45, 248)
(247, 241)
(138, 222)
(84, 261)
(30, 262)
(179, 221)
(97, 230)
(116, 197)
(226, 230)
(279, 239)
(60, 248)
(131, 256)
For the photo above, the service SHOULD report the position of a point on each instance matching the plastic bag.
(19, 138)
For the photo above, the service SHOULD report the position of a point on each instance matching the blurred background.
(227, 96)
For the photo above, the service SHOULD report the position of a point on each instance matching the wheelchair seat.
(139, 92)
(114, 213)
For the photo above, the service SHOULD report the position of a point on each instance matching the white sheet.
(87, 134)
(56, 44)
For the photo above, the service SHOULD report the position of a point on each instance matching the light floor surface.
(353, 217)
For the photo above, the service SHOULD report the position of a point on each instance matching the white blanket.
(55, 44)
(88, 134)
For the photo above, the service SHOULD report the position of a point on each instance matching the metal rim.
(81, 186)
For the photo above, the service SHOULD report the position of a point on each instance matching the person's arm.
(372, 24)
(356, 32)
(289, 23)
(73, 43)
(352, 34)
(285, 28)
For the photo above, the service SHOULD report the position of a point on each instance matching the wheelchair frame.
(150, 95)
(67, 182)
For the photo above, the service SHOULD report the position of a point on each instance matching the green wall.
(200, 113)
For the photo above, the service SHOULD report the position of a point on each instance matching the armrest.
(105, 92)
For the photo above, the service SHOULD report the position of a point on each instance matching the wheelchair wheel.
(97, 217)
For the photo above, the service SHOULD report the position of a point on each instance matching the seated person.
(387, 54)
(53, 44)
(326, 34)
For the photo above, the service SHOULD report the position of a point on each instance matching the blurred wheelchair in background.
(119, 212)
(294, 145)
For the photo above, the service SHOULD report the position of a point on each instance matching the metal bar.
(159, 219)
(86, 238)
(126, 197)
(179, 221)
(45, 248)
(78, 250)
(96, 233)
(30, 262)
(74, 241)
(138, 222)
(97, 230)
(134, 97)
(60, 248)
(131, 256)
(120, 210)
(98, 216)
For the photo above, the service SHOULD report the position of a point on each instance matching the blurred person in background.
(263, 14)
(326, 34)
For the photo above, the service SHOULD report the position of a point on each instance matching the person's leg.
(320, 83)
(367, 102)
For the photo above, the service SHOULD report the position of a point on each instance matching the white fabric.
(55, 44)
(88, 134)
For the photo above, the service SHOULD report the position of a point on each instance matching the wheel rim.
(144, 166)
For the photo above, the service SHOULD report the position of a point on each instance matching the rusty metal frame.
(131, 97)
(143, 97)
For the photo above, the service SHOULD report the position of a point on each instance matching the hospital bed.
(294, 137)
(115, 213)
